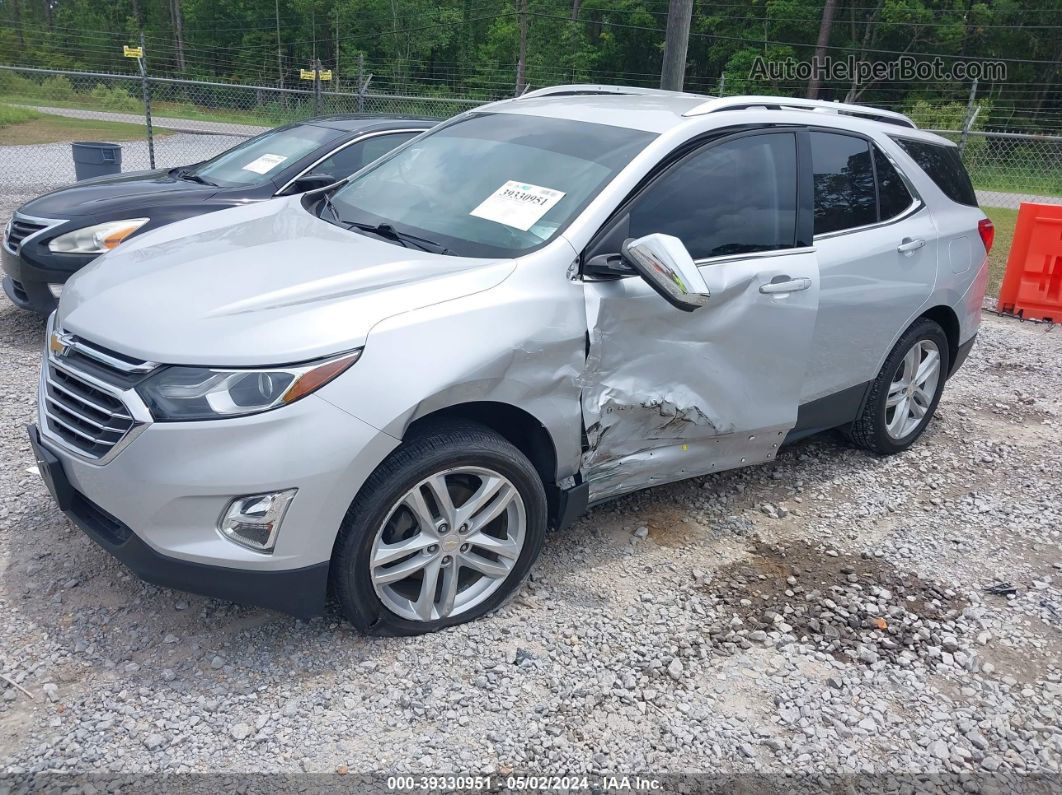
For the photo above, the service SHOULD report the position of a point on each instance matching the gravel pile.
(824, 614)
(855, 609)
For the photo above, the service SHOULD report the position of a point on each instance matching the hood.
(125, 192)
(263, 284)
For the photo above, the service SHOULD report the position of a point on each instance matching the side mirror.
(310, 182)
(664, 262)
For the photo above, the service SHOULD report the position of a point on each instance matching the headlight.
(96, 239)
(202, 393)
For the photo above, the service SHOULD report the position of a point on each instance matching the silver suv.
(388, 390)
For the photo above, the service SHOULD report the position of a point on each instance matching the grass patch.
(1044, 181)
(268, 116)
(1004, 221)
(9, 114)
(41, 128)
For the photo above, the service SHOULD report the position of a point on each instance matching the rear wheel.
(905, 394)
(444, 531)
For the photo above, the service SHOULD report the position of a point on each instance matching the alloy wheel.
(912, 389)
(448, 543)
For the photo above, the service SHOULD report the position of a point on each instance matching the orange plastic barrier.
(1032, 285)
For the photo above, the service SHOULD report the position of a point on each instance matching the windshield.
(255, 161)
(491, 184)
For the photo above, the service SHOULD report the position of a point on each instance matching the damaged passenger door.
(669, 394)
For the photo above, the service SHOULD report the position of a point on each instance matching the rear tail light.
(987, 232)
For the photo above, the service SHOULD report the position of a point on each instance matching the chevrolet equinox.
(387, 390)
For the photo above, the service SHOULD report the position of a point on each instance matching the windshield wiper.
(185, 174)
(326, 203)
(385, 230)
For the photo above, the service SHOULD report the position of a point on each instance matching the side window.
(844, 182)
(346, 161)
(943, 165)
(892, 192)
(735, 197)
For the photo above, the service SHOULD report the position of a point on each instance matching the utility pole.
(971, 114)
(362, 82)
(521, 63)
(317, 86)
(819, 61)
(676, 43)
(280, 59)
(335, 77)
(142, 62)
(178, 32)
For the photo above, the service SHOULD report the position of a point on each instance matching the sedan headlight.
(96, 239)
(207, 393)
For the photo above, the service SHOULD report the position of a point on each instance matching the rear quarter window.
(943, 165)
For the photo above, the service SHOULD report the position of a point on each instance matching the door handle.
(785, 285)
(909, 245)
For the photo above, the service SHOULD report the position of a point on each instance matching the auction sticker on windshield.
(265, 163)
(518, 204)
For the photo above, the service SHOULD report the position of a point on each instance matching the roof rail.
(786, 103)
(579, 89)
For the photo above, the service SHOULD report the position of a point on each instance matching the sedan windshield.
(489, 184)
(261, 158)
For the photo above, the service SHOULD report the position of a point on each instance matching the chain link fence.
(1009, 168)
(191, 120)
(195, 120)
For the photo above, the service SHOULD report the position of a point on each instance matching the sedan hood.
(264, 284)
(123, 193)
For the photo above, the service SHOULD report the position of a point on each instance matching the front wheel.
(905, 393)
(444, 531)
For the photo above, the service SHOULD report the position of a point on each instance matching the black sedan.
(52, 236)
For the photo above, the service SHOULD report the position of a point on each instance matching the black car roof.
(358, 122)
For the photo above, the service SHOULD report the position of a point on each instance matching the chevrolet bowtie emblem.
(59, 342)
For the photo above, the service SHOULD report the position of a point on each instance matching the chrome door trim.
(916, 206)
(774, 252)
(340, 148)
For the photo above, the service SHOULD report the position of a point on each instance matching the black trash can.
(96, 159)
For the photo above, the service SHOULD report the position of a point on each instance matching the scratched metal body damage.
(668, 395)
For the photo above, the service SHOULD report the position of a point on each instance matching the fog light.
(254, 521)
(55, 289)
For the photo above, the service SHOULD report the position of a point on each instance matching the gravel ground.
(825, 613)
(28, 171)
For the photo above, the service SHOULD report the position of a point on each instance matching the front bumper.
(26, 280)
(298, 592)
(161, 496)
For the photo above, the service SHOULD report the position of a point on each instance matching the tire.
(398, 504)
(877, 428)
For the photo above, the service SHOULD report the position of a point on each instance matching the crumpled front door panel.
(669, 395)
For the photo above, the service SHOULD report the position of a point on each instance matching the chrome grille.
(85, 417)
(20, 229)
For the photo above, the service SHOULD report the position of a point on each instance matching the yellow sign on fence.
(326, 74)
(133, 52)
(306, 74)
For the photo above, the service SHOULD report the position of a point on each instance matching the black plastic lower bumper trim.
(961, 354)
